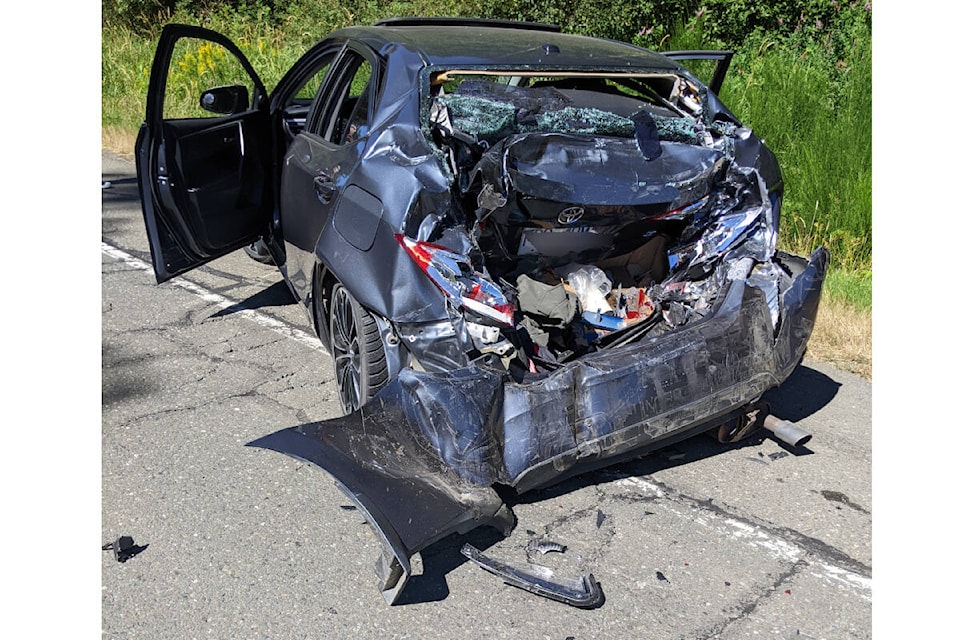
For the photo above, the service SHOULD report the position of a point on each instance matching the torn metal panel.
(394, 477)
(397, 157)
(599, 171)
(423, 456)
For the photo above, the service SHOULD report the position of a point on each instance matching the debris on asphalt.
(582, 591)
(545, 546)
(123, 548)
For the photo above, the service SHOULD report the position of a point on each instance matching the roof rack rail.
(466, 22)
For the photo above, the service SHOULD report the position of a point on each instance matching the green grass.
(850, 288)
(814, 111)
(821, 134)
(820, 130)
(125, 68)
(271, 46)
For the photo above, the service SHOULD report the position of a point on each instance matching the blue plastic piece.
(602, 321)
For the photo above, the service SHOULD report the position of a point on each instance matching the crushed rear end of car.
(609, 259)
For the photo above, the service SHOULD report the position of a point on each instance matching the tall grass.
(815, 113)
(821, 133)
(125, 68)
(271, 44)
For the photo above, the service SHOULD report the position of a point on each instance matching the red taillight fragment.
(455, 276)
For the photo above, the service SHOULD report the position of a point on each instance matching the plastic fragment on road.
(601, 516)
(582, 591)
(123, 548)
(545, 546)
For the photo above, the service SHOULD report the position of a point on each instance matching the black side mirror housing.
(226, 100)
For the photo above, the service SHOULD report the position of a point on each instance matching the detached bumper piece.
(426, 457)
(407, 502)
(583, 591)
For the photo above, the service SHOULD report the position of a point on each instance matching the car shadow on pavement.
(439, 559)
(119, 195)
(802, 395)
(276, 295)
(118, 188)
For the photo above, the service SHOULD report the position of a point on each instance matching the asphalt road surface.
(698, 540)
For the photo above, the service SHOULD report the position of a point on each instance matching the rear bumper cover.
(421, 459)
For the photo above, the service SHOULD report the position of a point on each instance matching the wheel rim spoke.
(347, 360)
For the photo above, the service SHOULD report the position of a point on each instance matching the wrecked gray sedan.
(530, 254)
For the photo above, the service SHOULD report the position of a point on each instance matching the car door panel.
(314, 177)
(304, 213)
(204, 182)
(318, 167)
(221, 181)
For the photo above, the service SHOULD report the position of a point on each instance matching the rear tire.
(359, 360)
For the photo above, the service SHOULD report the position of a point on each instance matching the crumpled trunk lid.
(595, 170)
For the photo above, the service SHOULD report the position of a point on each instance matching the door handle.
(325, 188)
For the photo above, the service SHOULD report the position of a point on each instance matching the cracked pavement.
(698, 540)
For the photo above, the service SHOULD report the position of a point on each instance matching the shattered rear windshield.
(492, 105)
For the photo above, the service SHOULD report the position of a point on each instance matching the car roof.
(482, 43)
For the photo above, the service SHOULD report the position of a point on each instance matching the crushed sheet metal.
(406, 496)
(423, 456)
(582, 591)
(574, 169)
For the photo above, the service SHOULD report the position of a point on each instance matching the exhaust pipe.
(786, 431)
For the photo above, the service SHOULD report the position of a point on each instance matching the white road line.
(734, 529)
(215, 298)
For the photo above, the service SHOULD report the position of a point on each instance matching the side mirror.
(226, 100)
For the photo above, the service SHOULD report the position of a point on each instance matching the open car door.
(203, 152)
(700, 63)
